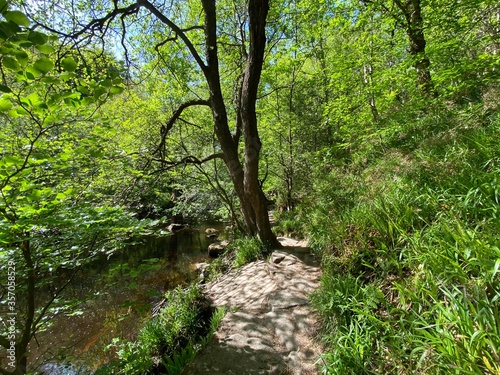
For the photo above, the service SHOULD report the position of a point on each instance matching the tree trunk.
(28, 329)
(245, 177)
(412, 12)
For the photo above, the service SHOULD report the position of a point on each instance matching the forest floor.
(269, 327)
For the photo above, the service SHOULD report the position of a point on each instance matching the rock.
(175, 227)
(202, 271)
(201, 266)
(210, 231)
(269, 327)
(276, 257)
(217, 248)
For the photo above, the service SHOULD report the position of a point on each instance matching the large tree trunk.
(245, 177)
(257, 12)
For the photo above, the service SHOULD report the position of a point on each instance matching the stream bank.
(124, 289)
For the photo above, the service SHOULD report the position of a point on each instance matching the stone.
(276, 257)
(202, 271)
(211, 231)
(201, 266)
(217, 248)
(269, 327)
(175, 227)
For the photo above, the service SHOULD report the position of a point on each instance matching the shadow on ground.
(269, 327)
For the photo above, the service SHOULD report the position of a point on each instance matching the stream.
(78, 343)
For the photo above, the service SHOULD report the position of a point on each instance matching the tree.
(408, 16)
(49, 224)
(251, 29)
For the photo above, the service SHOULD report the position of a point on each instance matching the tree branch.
(189, 160)
(96, 24)
(165, 129)
(176, 36)
(36, 322)
(177, 30)
(273, 91)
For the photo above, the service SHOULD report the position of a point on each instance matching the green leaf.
(99, 92)
(8, 29)
(13, 113)
(22, 57)
(3, 6)
(37, 38)
(45, 48)
(17, 17)
(11, 160)
(50, 80)
(69, 64)
(116, 90)
(106, 83)
(22, 111)
(10, 63)
(83, 90)
(6, 48)
(44, 64)
(26, 44)
(66, 76)
(31, 73)
(5, 105)
(49, 119)
(5, 89)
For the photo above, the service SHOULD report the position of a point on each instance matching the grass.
(246, 250)
(411, 253)
(169, 340)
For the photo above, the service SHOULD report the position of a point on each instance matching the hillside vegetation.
(410, 245)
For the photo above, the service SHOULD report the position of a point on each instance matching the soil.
(269, 327)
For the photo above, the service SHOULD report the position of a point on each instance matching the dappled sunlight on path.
(269, 326)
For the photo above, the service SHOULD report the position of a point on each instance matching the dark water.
(139, 276)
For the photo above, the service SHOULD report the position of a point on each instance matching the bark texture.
(245, 176)
(414, 26)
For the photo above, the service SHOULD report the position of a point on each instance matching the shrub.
(171, 338)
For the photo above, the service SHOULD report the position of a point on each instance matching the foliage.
(171, 339)
(411, 275)
(396, 187)
(52, 222)
(246, 250)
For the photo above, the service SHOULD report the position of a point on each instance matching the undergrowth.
(410, 240)
(246, 250)
(169, 340)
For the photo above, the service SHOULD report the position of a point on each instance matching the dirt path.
(268, 327)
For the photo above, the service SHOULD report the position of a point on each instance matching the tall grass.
(411, 256)
(246, 250)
